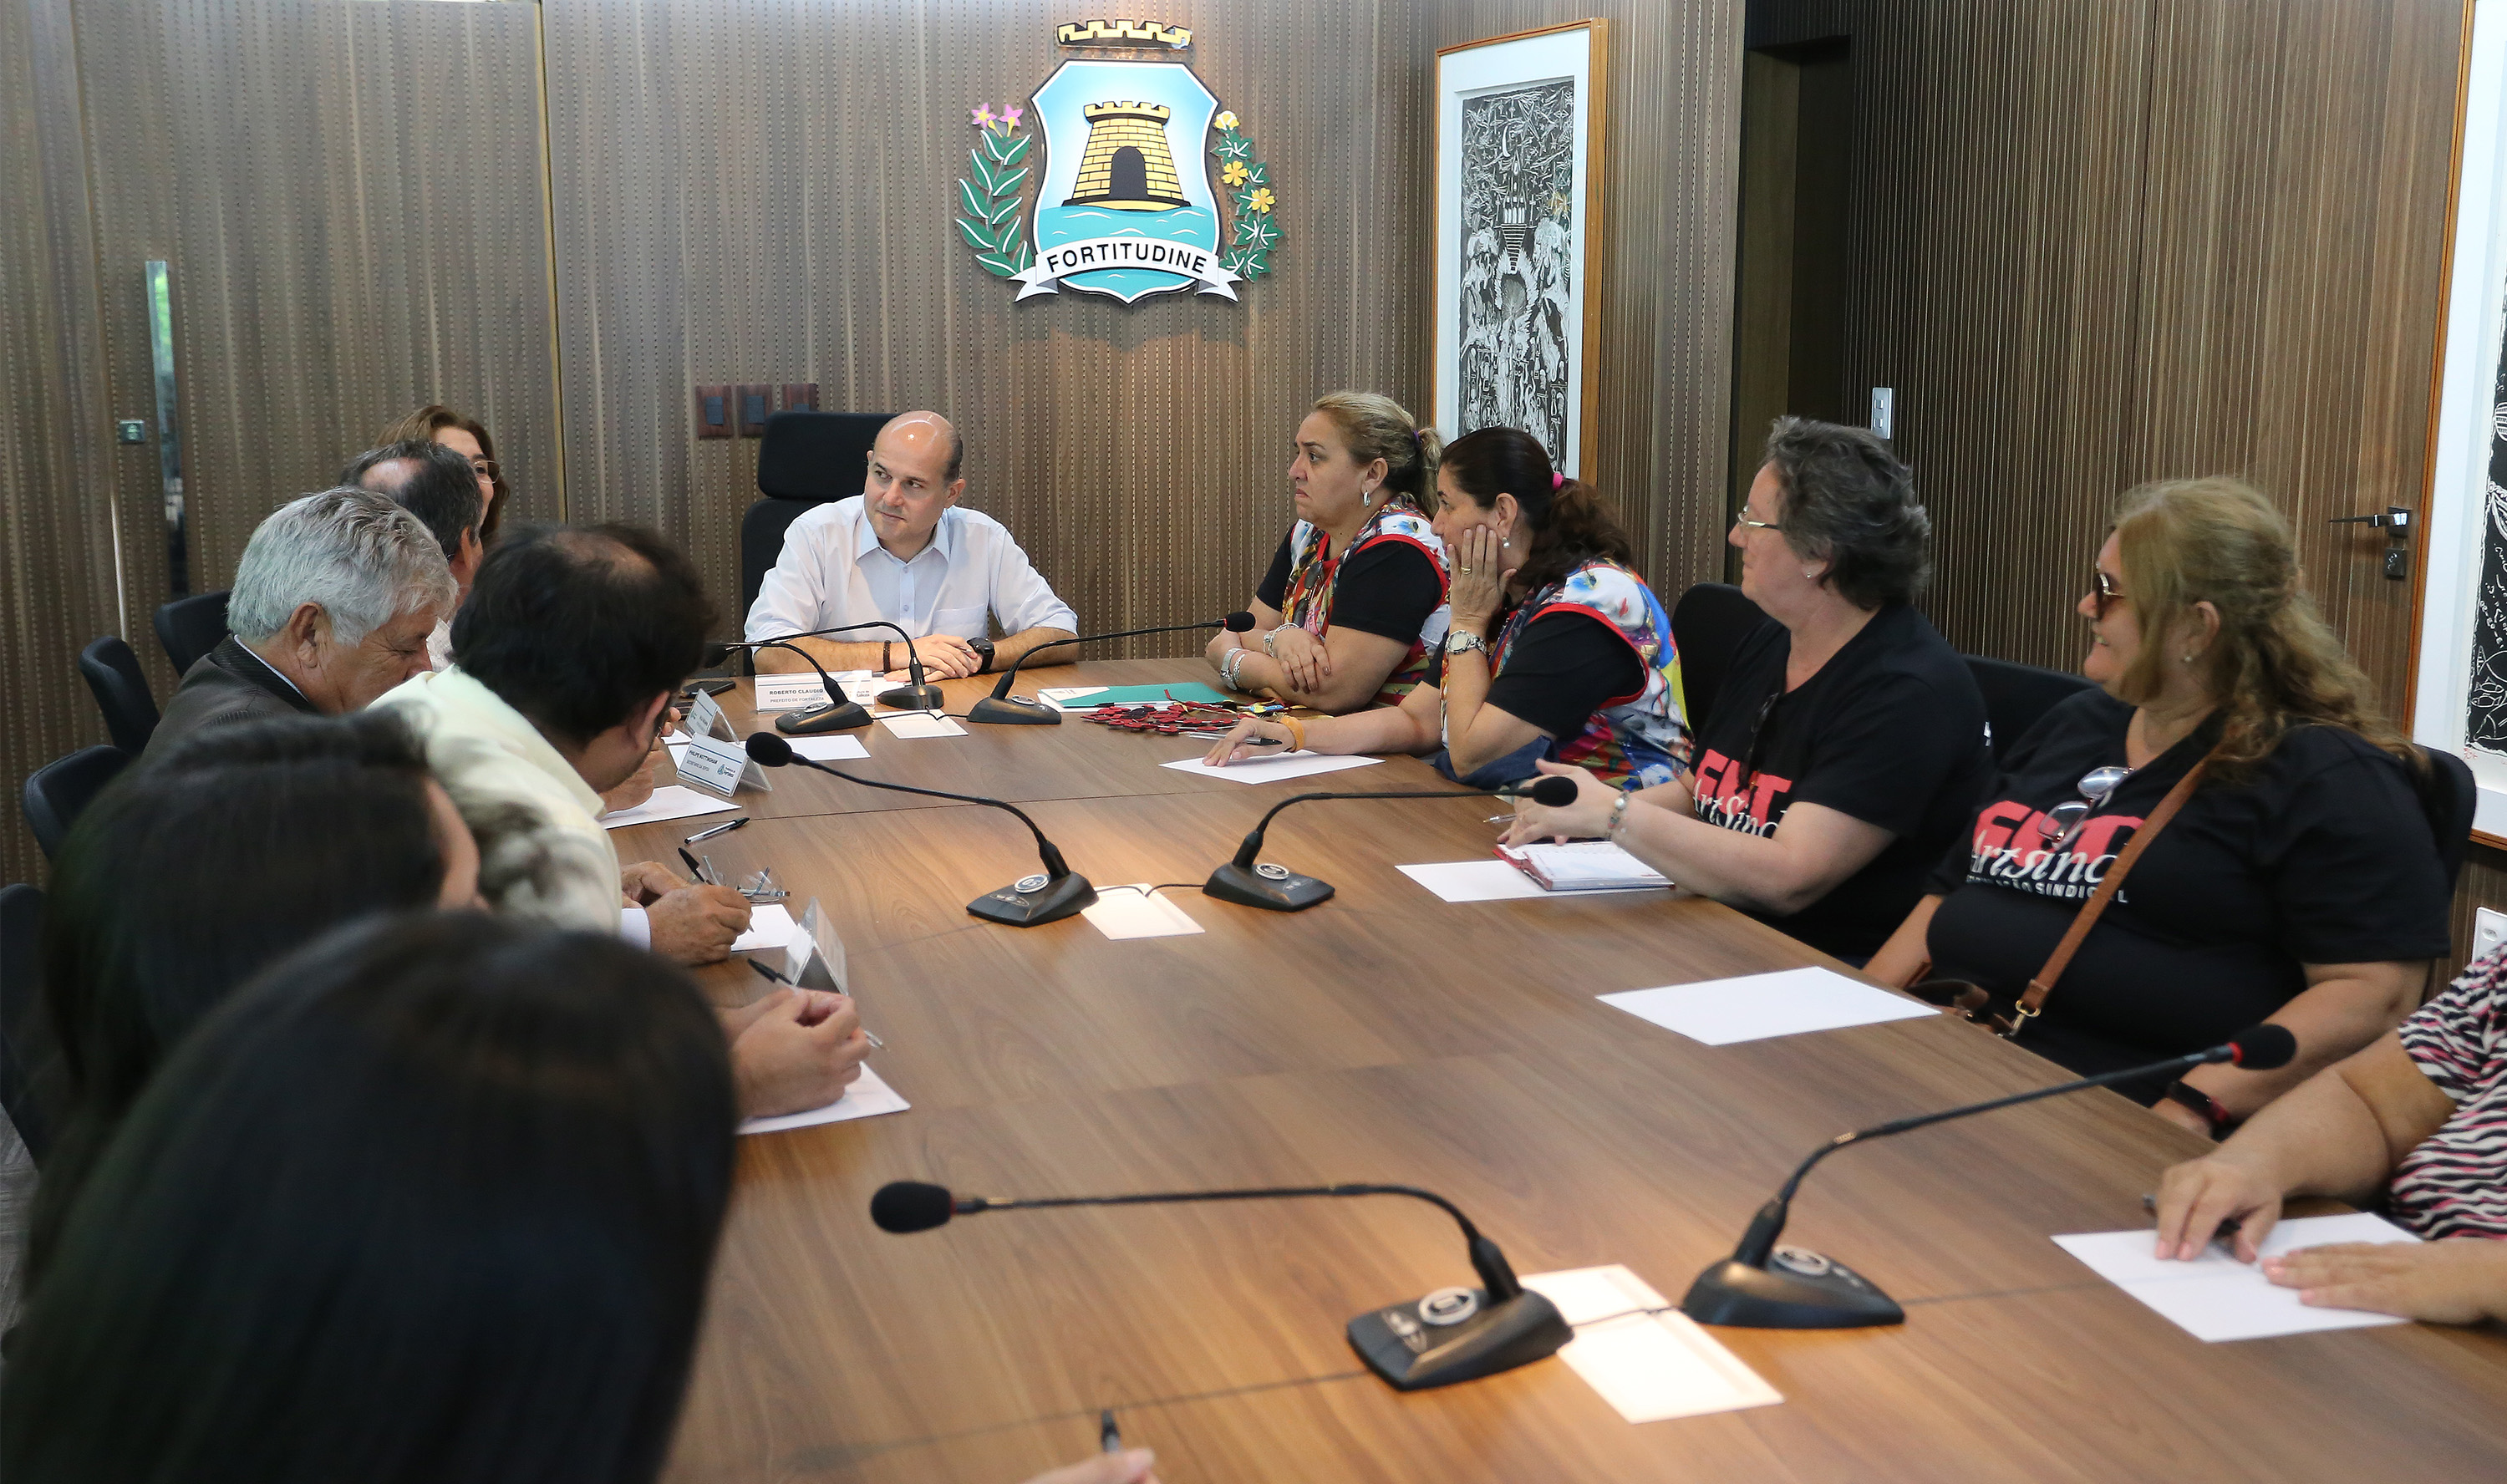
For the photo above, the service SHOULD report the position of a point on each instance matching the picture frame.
(1521, 120)
(2458, 671)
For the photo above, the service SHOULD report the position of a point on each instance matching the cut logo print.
(2011, 851)
(1731, 797)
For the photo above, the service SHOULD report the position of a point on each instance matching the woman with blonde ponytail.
(2298, 880)
(1355, 599)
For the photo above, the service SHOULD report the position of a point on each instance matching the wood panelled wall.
(1671, 153)
(353, 206)
(2104, 241)
(763, 191)
(56, 558)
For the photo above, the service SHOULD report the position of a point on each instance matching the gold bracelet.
(1296, 733)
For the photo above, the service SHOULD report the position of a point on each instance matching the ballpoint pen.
(720, 830)
(696, 870)
(1109, 1438)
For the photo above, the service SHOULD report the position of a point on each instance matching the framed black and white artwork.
(2459, 661)
(1519, 130)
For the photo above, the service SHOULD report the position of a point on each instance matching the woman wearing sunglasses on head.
(1846, 746)
(2288, 871)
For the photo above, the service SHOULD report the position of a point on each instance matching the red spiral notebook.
(1583, 865)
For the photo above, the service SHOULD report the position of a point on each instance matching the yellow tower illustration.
(1127, 165)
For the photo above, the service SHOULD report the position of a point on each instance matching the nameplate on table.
(814, 957)
(705, 719)
(721, 767)
(791, 693)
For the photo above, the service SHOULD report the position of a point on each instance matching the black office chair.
(2016, 695)
(2447, 795)
(1707, 625)
(805, 459)
(24, 1046)
(121, 689)
(190, 627)
(60, 789)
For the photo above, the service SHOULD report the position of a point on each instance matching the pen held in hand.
(1109, 1438)
(770, 971)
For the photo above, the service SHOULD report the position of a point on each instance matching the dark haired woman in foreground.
(434, 1200)
(1847, 744)
(1558, 650)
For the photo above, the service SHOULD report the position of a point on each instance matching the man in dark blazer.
(332, 606)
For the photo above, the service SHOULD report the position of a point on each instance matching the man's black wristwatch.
(983, 649)
(2219, 1118)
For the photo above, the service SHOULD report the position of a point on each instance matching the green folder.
(1135, 695)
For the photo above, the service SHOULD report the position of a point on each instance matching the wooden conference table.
(1387, 1035)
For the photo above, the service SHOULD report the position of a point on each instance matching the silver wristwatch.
(1459, 639)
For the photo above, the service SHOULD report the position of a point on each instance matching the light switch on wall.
(1884, 410)
(2488, 930)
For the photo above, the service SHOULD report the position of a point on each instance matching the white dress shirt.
(542, 853)
(834, 571)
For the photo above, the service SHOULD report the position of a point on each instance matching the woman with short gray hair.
(1847, 744)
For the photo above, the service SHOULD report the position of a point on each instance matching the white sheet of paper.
(669, 802)
(1060, 697)
(1756, 1006)
(1121, 912)
(2215, 1297)
(867, 1097)
(1651, 1367)
(829, 749)
(678, 754)
(793, 692)
(1475, 881)
(921, 724)
(770, 925)
(1272, 770)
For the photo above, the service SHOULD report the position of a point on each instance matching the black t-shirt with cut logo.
(2322, 855)
(1890, 731)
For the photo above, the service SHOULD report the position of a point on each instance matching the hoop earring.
(1366, 498)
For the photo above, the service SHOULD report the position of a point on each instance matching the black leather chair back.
(2016, 695)
(1707, 625)
(23, 1045)
(805, 459)
(60, 789)
(2447, 794)
(121, 689)
(190, 627)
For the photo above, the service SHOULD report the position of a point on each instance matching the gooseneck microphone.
(1031, 901)
(834, 714)
(920, 695)
(1765, 1286)
(1001, 709)
(1249, 881)
(1453, 1334)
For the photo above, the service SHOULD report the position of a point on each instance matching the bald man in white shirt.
(906, 551)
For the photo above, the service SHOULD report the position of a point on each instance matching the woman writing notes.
(1355, 599)
(2296, 877)
(1847, 744)
(1557, 649)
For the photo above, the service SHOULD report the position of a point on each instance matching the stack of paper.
(2216, 1297)
(669, 802)
(1645, 1358)
(1583, 865)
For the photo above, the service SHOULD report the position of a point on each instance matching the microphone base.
(915, 697)
(1798, 1289)
(1285, 891)
(834, 716)
(1013, 712)
(1406, 1350)
(1032, 901)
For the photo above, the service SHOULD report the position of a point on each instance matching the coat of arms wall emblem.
(1122, 203)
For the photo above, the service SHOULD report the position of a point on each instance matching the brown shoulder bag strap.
(2034, 999)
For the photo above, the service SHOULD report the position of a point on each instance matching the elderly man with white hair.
(331, 608)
